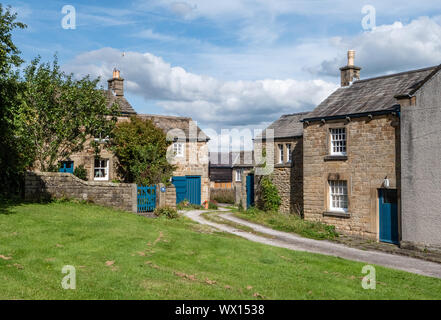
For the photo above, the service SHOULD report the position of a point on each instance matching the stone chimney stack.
(116, 84)
(349, 72)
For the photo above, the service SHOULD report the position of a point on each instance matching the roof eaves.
(354, 115)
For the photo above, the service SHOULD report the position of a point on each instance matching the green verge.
(289, 223)
(119, 255)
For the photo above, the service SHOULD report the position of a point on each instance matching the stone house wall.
(47, 185)
(195, 164)
(373, 154)
(240, 187)
(288, 177)
(421, 168)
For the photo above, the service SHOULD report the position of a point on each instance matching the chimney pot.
(349, 72)
(116, 84)
(116, 74)
(351, 57)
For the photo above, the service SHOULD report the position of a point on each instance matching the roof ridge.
(396, 74)
(295, 114)
(163, 116)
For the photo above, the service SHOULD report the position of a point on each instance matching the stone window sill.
(283, 165)
(336, 158)
(337, 214)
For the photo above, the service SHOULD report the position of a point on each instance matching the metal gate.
(146, 198)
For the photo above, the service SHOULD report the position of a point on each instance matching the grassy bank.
(119, 255)
(289, 223)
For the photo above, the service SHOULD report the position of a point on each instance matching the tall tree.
(12, 148)
(59, 113)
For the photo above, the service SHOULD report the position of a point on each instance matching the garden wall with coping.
(48, 185)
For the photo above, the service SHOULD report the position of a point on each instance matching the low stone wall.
(47, 185)
(167, 198)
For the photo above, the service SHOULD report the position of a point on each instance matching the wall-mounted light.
(386, 183)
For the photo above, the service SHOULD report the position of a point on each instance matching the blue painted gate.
(66, 166)
(388, 215)
(188, 188)
(146, 198)
(250, 190)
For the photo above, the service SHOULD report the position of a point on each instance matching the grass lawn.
(288, 223)
(119, 255)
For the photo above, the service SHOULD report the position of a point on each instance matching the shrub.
(212, 205)
(269, 199)
(186, 205)
(80, 172)
(222, 195)
(141, 149)
(168, 212)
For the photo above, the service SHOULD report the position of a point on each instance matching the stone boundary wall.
(47, 185)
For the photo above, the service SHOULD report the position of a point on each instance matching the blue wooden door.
(180, 184)
(194, 189)
(146, 198)
(66, 166)
(250, 190)
(188, 188)
(388, 215)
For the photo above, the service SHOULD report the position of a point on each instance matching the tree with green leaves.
(141, 150)
(12, 148)
(59, 113)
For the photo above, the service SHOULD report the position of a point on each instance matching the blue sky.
(231, 63)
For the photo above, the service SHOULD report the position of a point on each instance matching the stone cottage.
(189, 148)
(352, 153)
(243, 178)
(288, 160)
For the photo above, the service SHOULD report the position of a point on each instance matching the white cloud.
(208, 100)
(390, 48)
(152, 35)
(183, 9)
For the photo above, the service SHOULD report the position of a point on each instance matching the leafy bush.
(269, 199)
(212, 205)
(168, 212)
(222, 195)
(141, 149)
(186, 205)
(80, 172)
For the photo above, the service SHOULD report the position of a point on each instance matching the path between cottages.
(298, 243)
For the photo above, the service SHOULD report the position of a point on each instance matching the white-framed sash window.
(338, 195)
(101, 169)
(338, 141)
(281, 157)
(239, 173)
(178, 149)
(289, 152)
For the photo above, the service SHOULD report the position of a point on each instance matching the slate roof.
(221, 159)
(174, 125)
(243, 159)
(372, 95)
(124, 106)
(287, 126)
